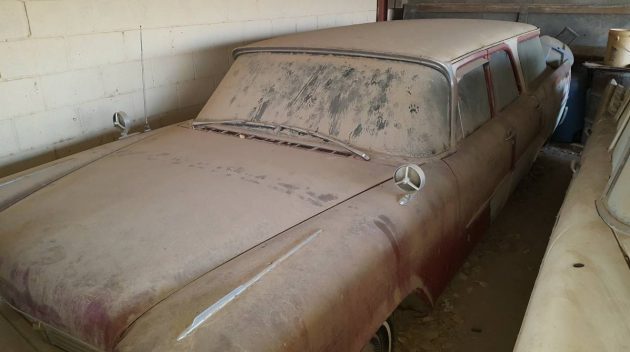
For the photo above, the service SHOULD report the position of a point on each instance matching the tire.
(382, 341)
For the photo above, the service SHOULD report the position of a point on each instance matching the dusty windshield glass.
(377, 105)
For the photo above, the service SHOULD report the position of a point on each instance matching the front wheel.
(381, 341)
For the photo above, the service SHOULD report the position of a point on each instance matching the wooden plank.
(381, 10)
(601, 66)
(526, 8)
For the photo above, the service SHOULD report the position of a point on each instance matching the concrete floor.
(484, 305)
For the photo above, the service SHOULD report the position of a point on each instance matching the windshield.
(373, 104)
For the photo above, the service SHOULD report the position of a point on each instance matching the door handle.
(537, 104)
(510, 136)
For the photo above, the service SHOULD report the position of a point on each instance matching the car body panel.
(581, 298)
(121, 248)
(483, 159)
(314, 300)
(18, 186)
(443, 40)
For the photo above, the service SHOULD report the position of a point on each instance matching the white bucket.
(618, 49)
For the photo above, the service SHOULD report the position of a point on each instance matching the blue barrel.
(570, 130)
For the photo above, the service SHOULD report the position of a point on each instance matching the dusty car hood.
(92, 251)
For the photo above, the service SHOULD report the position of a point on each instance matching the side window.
(530, 53)
(504, 86)
(474, 106)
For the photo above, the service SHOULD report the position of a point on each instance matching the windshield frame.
(445, 69)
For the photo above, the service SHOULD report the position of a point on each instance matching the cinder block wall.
(67, 65)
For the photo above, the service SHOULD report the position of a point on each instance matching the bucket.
(618, 49)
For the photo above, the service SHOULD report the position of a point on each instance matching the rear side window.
(530, 53)
(474, 106)
(504, 85)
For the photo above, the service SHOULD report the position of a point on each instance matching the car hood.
(92, 251)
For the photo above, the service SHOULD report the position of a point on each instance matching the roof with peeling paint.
(442, 40)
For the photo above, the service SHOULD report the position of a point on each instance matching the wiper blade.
(326, 138)
(236, 123)
(278, 128)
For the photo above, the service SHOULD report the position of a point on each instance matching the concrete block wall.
(67, 65)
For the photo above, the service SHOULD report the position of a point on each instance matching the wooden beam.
(526, 8)
(381, 10)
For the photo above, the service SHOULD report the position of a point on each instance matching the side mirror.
(121, 120)
(410, 179)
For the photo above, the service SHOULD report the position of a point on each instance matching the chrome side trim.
(225, 300)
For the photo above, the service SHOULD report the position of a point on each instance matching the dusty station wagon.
(330, 175)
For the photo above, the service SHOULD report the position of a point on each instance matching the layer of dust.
(483, 307)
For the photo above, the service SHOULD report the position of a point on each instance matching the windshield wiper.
(278, 128)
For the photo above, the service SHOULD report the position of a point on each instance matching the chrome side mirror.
(121, 121)
(410, 179)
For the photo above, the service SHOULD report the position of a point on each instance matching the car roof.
(441, 40)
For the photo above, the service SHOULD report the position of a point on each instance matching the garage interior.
(68, 66)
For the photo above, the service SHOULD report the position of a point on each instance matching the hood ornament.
(121, 121)
(410, 179)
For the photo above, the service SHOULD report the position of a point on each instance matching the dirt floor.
(483, 307)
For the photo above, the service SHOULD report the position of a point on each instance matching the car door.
(549, 87)
(521, 114)
(483, 157)
(519, 111)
